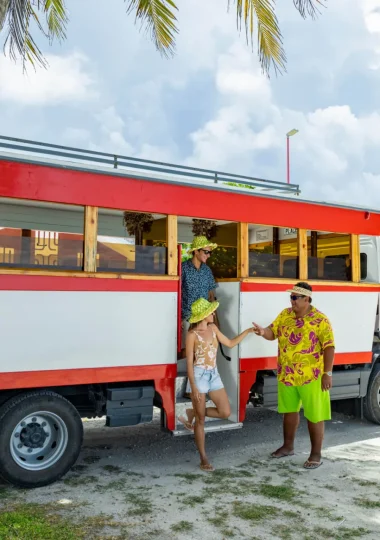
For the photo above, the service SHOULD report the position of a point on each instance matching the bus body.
(90, 321)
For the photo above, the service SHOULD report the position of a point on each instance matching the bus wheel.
(41, 437)
(372, 399)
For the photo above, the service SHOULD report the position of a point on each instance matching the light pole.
(288, 135)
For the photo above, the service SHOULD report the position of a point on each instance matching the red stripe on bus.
(69, 377)
(63, 185)
(20, 282)
(270, 362)
(283, 287)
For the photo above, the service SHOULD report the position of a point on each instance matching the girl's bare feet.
(190, 415)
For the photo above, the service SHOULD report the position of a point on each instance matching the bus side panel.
(87, 331)
(352, 315)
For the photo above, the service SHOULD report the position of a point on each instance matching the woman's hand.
(258, 330)
(195, 394)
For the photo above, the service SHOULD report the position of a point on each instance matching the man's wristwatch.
(329, 373)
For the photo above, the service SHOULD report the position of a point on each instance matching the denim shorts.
(207, 380)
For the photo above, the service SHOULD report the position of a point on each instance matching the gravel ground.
(137, 483)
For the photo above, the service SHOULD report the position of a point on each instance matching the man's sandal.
(310, 465)
(274, 455)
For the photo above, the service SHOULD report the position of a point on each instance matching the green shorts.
(315, 402)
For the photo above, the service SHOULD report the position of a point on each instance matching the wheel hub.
(33, 436)
(39, 441)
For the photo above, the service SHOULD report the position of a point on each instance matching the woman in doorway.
(201, 348)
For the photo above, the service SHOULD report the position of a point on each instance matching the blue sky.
(107, 88)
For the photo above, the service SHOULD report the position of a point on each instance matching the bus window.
(223, 261)
(131, 242)
(41, 235)
(329, 256)
(273, 252)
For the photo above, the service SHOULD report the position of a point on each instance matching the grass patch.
(220, 520)
(141, 506)
(365, 483)
(113, 469)
(91, 459)
(232, 488)
(79, 468)
(188, 477)
(7, 493)
(325, 513)
(100, 522)
(283, 531)
(77, 480)
(194, 500)
(227, 533)
(343, 533)
(254, 512)
(114, 485)
(367, 503)
(182, 526)
(291, 515)
(223, 475)
(283, 493)
(30, 521)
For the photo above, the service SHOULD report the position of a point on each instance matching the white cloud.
(65, 80)
(211, 106)
(328, 154)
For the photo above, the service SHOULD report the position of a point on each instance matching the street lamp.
(288, 135)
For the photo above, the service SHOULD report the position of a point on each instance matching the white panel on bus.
(352, 315)
(71, 330)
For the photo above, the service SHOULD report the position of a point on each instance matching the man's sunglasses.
(206, 251)
(294, 297)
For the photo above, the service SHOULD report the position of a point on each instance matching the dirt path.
(141, 483)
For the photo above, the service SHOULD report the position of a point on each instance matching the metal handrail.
(120, 162)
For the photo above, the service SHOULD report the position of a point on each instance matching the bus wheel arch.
(371, 401)
(42, 435)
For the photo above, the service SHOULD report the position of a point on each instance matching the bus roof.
(56, 155)
(27, 151)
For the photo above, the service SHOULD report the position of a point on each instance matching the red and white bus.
(90, 318)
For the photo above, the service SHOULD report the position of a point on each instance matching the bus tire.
(41, 437)
(372, 399)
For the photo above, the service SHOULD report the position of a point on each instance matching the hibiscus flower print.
(294, 339)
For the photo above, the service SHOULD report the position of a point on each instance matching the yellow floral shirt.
(301, 343)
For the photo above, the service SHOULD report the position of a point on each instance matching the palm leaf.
(159, 19)
(19, 40)
(308, 7)
(56, 19)
(269, 36)
(3, 12)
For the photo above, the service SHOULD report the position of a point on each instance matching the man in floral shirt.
(305, 360)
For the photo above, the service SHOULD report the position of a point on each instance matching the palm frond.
(160, 21)
(56, 19)
(270, 48)
(308, 7)
(19, 41)
(4, 4)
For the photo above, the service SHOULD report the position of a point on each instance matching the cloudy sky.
(107, 88)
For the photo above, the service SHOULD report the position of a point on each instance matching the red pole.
(287, 161)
